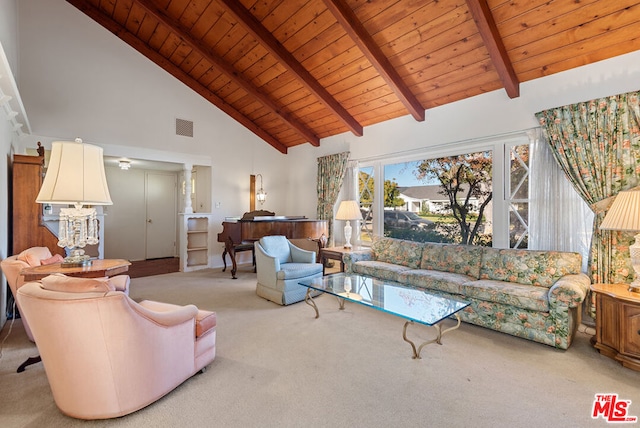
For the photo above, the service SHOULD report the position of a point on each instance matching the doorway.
(138, 196)
(161, 215)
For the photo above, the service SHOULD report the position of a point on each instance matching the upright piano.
(239, 235)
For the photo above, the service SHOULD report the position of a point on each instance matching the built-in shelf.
(194, 244)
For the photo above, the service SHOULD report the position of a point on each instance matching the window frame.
(511, 199)
(498, 145)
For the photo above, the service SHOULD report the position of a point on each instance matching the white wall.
(8, 41)
(77, 79)
(5, 149)
(9, 32)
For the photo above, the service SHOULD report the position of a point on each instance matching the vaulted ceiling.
(296, 71)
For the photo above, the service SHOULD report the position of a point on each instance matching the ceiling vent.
(184, 127)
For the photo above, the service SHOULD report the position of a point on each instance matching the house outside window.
(495, 210)
(447, 202)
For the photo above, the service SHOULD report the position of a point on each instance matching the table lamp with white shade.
(75, 176)
(348, 210)
(624, 216)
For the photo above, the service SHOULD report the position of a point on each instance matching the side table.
(98, 268)
(618, 323)
(336, 253)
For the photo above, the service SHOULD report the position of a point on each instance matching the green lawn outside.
(441, 218)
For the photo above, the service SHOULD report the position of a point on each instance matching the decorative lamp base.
(347, 235)
(75, 262)
(77, 259)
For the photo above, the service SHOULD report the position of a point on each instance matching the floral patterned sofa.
(536, 295)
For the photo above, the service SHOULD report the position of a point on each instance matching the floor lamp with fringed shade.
(75, 176)
(624, 216)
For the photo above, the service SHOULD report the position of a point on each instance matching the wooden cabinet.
(618, 323)
(194, 242)
(28, 228)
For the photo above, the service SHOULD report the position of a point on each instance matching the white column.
(188, 209)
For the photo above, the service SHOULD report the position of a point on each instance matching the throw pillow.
(56, 258)
(32, 256)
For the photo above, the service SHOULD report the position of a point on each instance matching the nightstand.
(618, 323)
(336, 253)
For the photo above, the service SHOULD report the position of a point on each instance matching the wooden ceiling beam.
(354, 28)
(264, 37)
(234, 75)
(489, 32)
(121, 32)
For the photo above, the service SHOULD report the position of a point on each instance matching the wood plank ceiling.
(296, 71)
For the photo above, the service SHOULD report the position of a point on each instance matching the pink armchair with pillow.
(38, 256)
(11, 267)
(106, 355)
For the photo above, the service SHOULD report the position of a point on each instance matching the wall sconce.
(261, 195)
(124, 165)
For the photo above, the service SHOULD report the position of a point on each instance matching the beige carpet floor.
(280, 367)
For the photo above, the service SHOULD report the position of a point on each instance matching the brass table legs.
(438, 339)
(308, 299)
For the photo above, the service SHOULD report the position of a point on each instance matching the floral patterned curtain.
(597, 144)
(331, 171)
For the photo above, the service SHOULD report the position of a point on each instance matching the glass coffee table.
(410, 303)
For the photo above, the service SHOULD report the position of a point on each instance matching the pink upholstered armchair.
(37, 256)
(11, 267)
(106, 355)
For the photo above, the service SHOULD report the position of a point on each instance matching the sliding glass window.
(366, 192)
(444, 199)
(518, 178)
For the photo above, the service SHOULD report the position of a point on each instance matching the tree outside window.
(450, 199)
(465, 182)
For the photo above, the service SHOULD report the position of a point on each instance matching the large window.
(475, 192)
(484, 196)
(444, 199)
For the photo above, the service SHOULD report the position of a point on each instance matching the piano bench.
(245, 246)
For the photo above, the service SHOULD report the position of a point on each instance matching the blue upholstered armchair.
(280, 265)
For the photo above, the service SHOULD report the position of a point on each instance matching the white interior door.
(125, 220)
(161, 223)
